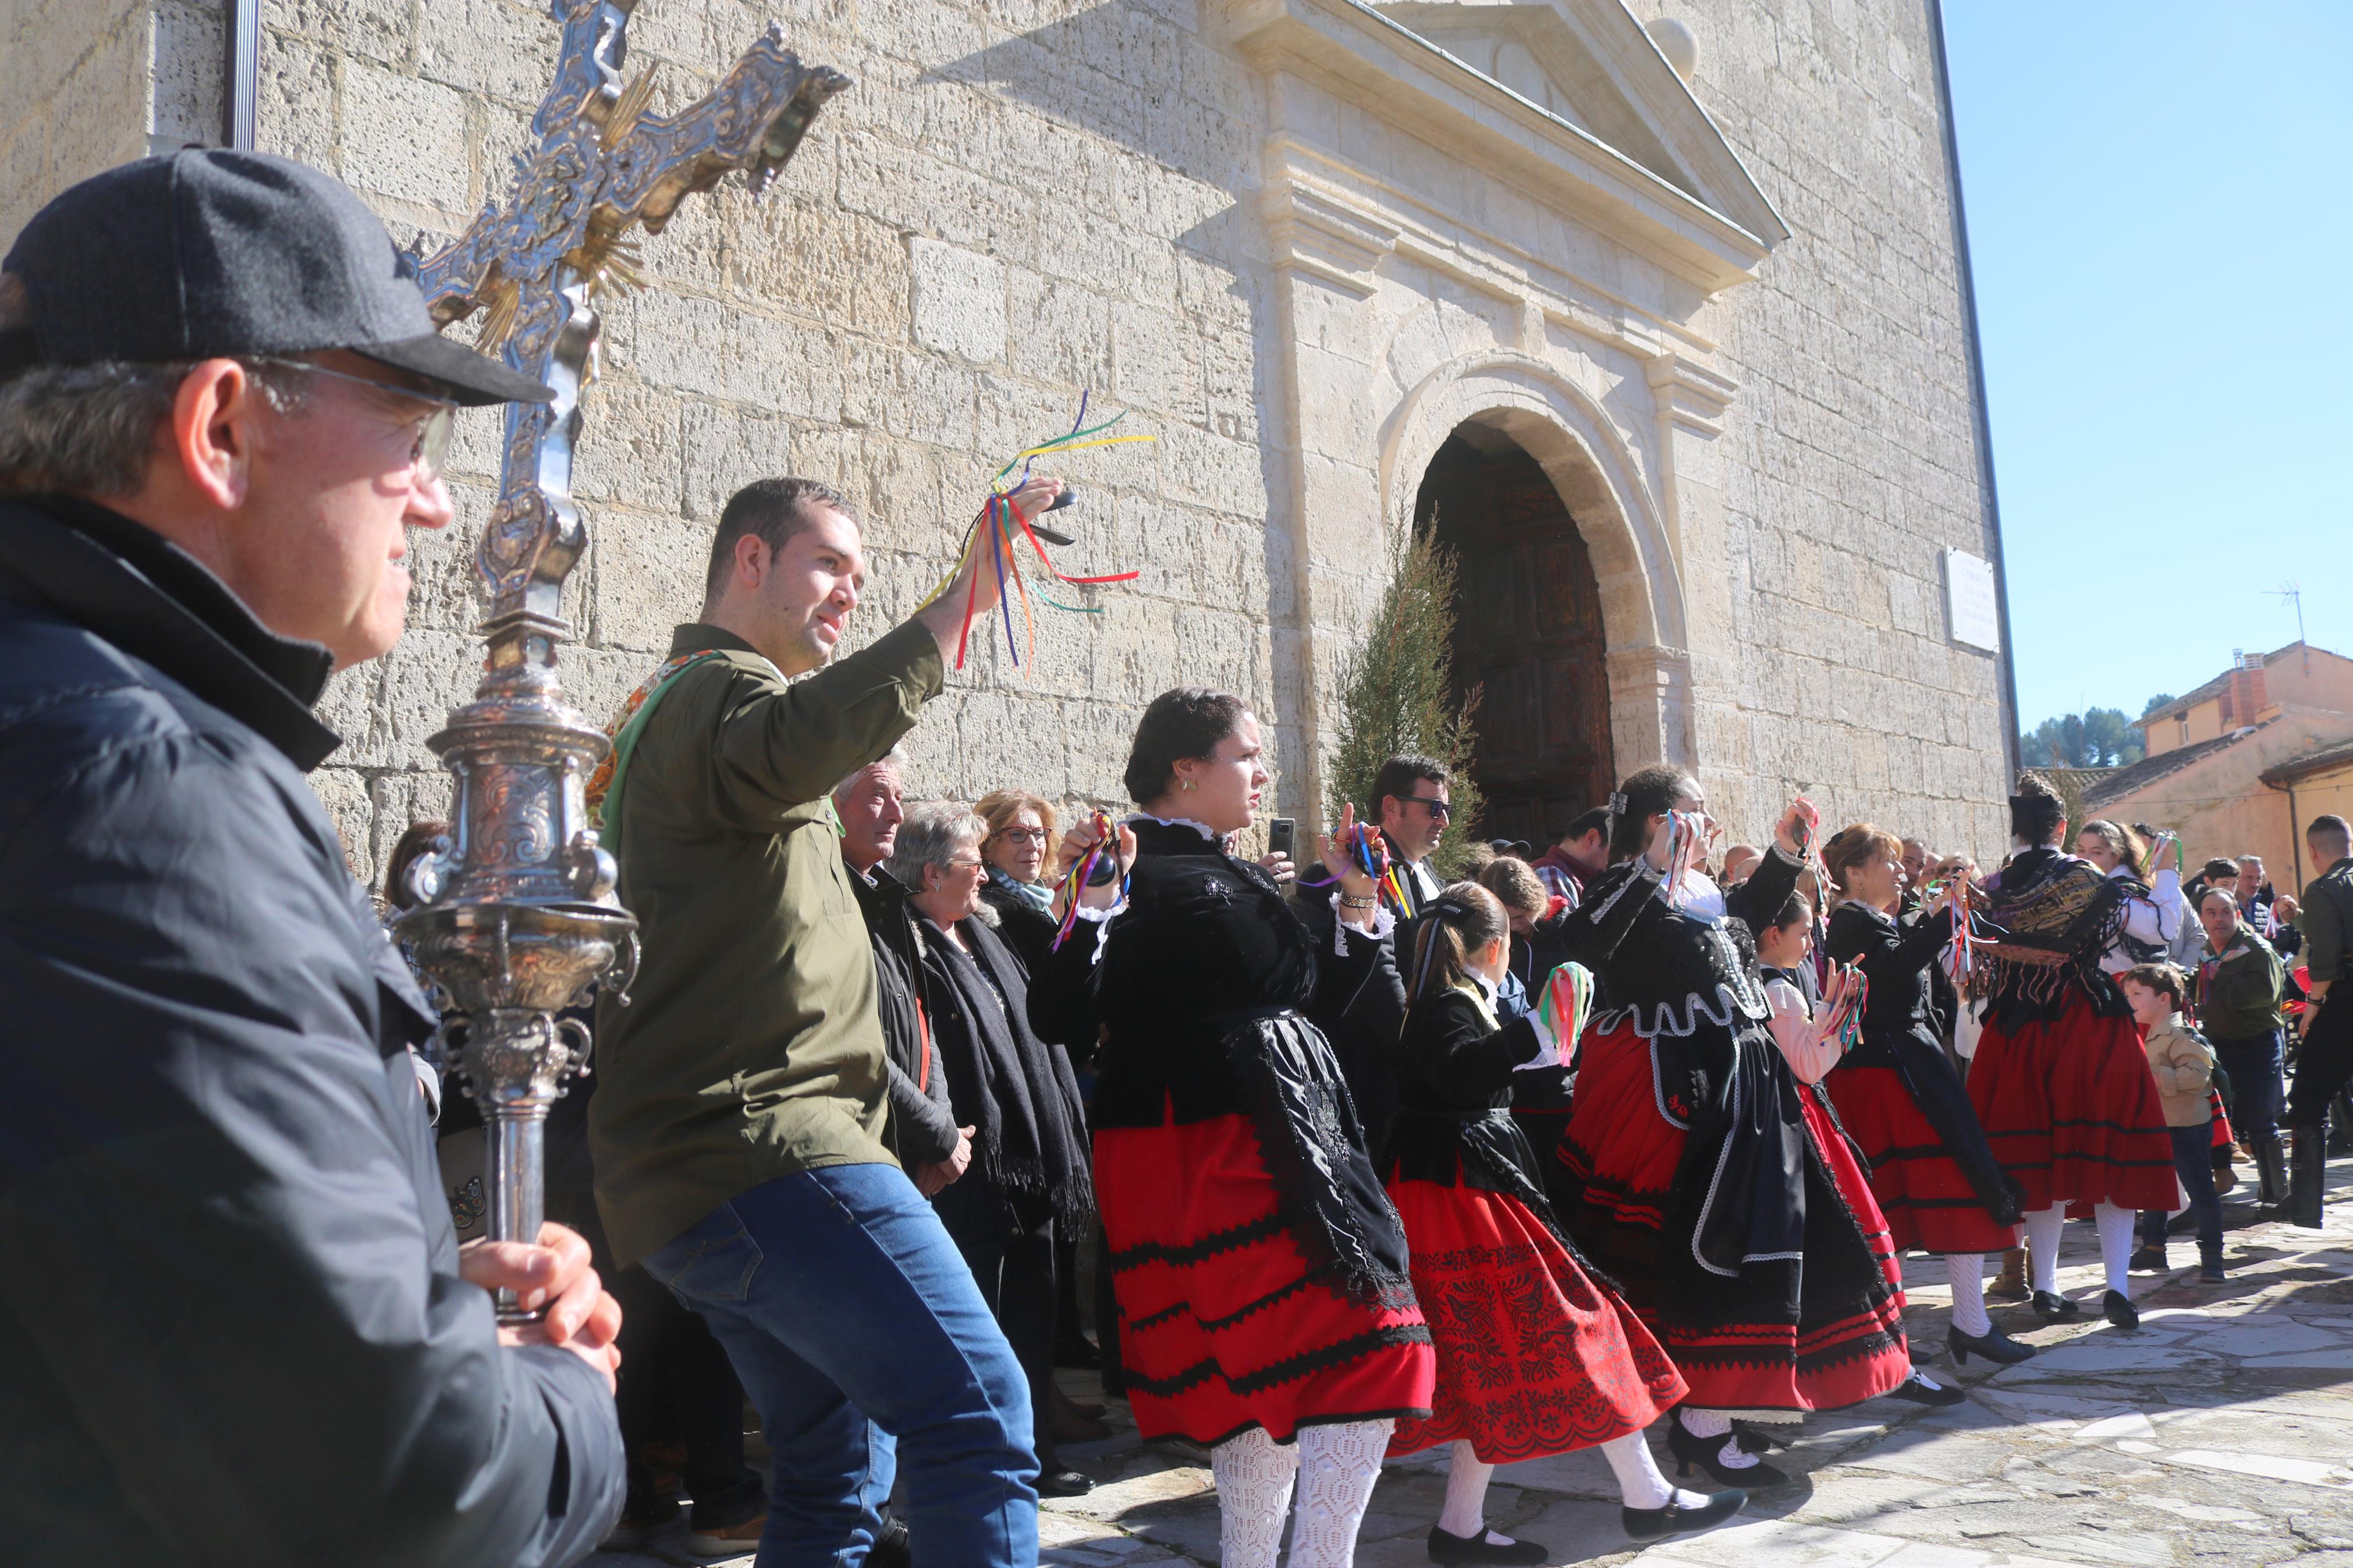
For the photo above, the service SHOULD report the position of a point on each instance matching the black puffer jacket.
(234, 1324)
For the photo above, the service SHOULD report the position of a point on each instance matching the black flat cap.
(209, 253)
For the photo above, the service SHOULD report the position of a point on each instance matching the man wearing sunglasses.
(238, 1325)
(1409, 800)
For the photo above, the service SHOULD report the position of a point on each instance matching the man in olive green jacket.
(2239, 989)
(738, 1128)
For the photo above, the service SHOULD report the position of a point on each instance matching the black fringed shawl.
(1017, 1092)
(2057, 917)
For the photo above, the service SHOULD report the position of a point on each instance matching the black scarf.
(1029, 1132)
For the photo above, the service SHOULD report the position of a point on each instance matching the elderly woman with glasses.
(1029, 1174)
(1017, 882)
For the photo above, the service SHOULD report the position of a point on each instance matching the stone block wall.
(1015, 204)
(88, 84)
(1024, 199)
(1849, 459)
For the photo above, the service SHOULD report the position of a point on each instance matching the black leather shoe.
(2148, 1259)
(1993, 1345)
(1658, 1523)
(1755, 1439)
(1445, 1548)
(1917, 1389)
(1690, 1448)
(2119, 1309)
(1064, 1483)
(2053, 1308)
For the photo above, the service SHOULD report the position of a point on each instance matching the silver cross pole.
(516, 918)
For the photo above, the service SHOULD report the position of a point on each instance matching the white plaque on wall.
(1971, 608)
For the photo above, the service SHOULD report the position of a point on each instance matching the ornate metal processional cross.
(516, 916)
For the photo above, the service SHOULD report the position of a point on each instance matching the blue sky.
(2158, 200)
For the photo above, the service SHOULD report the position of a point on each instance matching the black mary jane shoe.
(1058, 1482)
(2117, 1308)
(1446, 1548)
(1918, 1390)
(1658, 1523)
(1755, 1439)
(2053, 1308)
(1993, 1345)
(1690, 1448)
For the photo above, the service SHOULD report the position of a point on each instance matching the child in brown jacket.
(2184, 1065)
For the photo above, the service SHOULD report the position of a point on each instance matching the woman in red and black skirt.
(1535, 1356)
(1932, 1172)
(2061, 1080)
(1265, 1309)
(1699, 1181)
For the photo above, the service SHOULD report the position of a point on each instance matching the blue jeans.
(2254, 1068)
(2193, 1162)
(839, 1298)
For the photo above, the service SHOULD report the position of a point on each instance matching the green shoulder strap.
(625, 747)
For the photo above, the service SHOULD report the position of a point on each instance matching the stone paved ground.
(2220, 1433)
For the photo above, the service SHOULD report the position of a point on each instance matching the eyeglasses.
(1438, 809)
(433, 432)
(973, 865)
(1023, 835)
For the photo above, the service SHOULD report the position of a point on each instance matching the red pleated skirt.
(1928, 1203)
(2072, 1111)
(1625, 1153)
(1534, 1356)
(1222, 1326)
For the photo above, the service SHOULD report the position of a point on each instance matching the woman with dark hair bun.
(1932, 1172)
(1692, 1172)
(1265, 1309)
(2061, 1080)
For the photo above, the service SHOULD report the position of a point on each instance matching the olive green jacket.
(2241, 990)
(750, 1049)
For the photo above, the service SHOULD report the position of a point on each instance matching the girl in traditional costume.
(1702, 1188)
(1932, 1172)
(2060, 1081)
(1536, 1355)
(1265, 1309)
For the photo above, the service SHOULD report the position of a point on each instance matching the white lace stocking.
(1337, 1468)
(1254, 1474)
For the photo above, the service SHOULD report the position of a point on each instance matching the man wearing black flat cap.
(237, 1324)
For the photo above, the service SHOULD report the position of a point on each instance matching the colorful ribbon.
(1566, 1006)
(993, 531)
(1074, 885)
(1840, 1018)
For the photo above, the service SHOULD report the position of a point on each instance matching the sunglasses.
(431, 447)
(1438, 809)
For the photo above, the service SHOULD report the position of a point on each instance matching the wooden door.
(1527, 633)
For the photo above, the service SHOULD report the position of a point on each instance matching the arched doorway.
(1527, 634)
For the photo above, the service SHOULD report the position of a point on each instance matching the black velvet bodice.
(1205, 938)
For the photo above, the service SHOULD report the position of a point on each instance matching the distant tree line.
(2095, 738)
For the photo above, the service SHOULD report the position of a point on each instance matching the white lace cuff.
(1384, 923)
(1101, 920)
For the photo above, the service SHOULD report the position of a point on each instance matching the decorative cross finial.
(602, 166)
(515, 917)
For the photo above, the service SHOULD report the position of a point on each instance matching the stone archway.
(1600, 480)
(1527, 634)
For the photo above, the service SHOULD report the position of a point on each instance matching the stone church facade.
(1656, 311)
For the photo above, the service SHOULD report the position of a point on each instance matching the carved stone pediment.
(1567, 99)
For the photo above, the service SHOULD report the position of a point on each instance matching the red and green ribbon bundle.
(1566, 1006)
